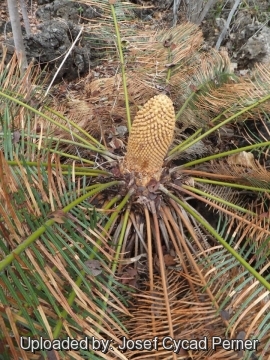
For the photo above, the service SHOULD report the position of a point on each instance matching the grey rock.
(257, 47)
(68, 10)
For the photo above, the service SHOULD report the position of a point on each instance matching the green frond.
(50, 234)
(241, 297)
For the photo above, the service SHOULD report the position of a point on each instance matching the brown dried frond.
(254, 224)
(234, 96)
(193, 314)
(109, 91)
(25, 86)
(192, 319)
(14, 80)
(245, 168)
(151, 135)
(149, 54)
(225, 193)
(82, 114)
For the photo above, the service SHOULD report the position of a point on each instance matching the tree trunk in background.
(17, 32)
(25, 16)
(227, 24)
(205, 10)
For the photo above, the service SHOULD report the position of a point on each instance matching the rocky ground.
(55, 24)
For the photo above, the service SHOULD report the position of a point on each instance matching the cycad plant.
(94, 205)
